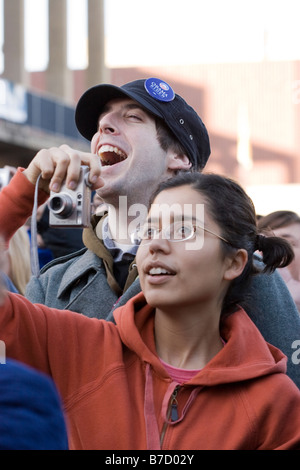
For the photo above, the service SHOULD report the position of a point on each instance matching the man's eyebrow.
(106, 109)
(134, 106)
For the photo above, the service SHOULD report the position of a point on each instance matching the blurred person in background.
(31, 414)
(286, 224)
(17, 263)
(7, 282)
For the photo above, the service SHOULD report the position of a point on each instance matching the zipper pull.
(174, 411)
(174, 405)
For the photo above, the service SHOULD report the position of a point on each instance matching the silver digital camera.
(5, 176)
(71, 208)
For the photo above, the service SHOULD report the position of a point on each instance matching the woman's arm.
(16, 204)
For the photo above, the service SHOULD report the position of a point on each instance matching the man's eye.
(134, 117)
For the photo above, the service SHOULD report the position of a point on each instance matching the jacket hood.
(245, 355)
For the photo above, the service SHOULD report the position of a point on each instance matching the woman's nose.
(159, 243)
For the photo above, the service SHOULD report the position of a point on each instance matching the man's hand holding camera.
(63, 163)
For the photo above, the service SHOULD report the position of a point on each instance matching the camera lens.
(61, 205)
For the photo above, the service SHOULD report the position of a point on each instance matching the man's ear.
(236, 264)
(178, 161)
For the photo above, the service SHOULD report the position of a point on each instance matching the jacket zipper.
(172, 412)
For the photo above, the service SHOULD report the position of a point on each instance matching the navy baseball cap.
(158, 98)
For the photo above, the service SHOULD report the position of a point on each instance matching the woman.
(286, 224)
(183, 367)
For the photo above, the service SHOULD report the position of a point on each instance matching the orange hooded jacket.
(117, 393)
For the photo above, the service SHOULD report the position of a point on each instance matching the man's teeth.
(110, 148)
(154, 271)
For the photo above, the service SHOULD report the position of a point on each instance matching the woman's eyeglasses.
(175, 232)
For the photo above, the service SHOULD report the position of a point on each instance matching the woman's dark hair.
(233, 211)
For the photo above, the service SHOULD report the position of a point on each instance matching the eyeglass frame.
(157, 231)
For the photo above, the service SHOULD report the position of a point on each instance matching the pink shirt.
(181, 375)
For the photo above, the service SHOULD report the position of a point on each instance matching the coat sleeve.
(52, 341)
(273, 310)
(16, 204)
(24, 331)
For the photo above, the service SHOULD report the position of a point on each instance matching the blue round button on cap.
(159, 89)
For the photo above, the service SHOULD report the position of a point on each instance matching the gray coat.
(77, 282)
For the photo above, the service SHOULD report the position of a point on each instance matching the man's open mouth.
(111, 155)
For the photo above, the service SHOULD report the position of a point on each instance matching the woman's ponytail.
(276, 252)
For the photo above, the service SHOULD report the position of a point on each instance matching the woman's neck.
(187, 340)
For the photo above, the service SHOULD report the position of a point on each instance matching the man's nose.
(108, 124)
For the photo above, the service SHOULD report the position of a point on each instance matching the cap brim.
(92, 102)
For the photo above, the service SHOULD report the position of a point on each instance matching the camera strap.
(34, 259)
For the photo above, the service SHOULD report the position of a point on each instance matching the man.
(143, 132)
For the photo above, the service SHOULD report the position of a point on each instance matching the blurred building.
(251, 113)
(37, 109)
(251, 110)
